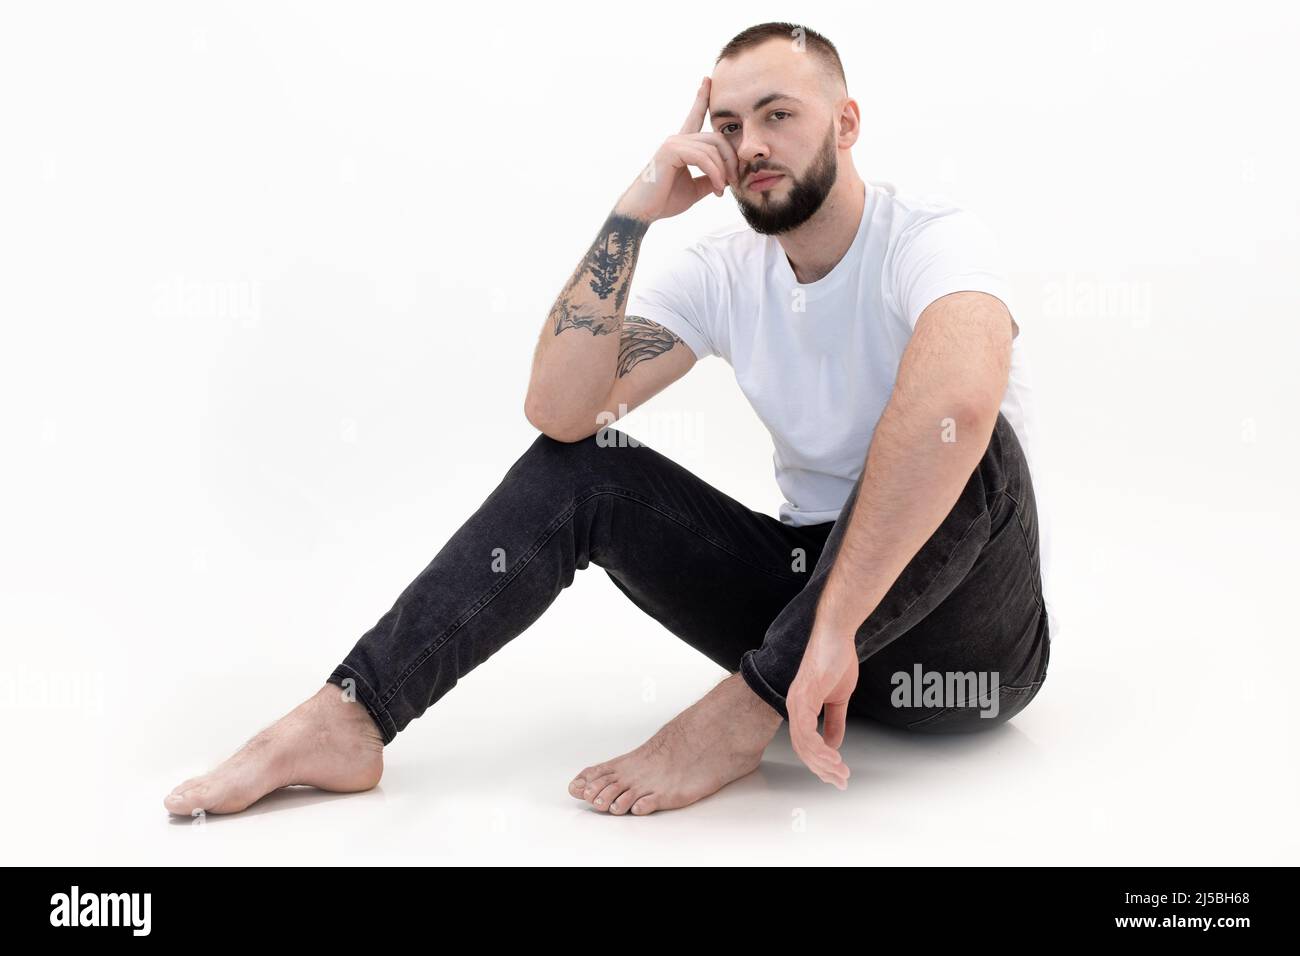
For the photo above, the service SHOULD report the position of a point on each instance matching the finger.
(695, 118)
(728, 153)
(828, 756)
(826, 776)
(703, 187)
(833, 724)
(712, 161)
(835, 773)
(719, 160)
(699, 157)
(812, 750)
(802, 753)
(726, 156)
(808, 744)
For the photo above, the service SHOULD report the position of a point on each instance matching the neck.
(815, 247)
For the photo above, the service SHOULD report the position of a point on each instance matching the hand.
(666, 187)
(826, 678)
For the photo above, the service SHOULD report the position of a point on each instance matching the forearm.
(576, 358)
(925, 447)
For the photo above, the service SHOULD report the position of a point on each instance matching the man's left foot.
(719, 739)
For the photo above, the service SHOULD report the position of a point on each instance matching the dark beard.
(806, 196)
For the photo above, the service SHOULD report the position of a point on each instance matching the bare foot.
(713, 742)
(326, 741)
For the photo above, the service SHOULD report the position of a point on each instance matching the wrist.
(635, 203)
(835, 619)
(632, 211)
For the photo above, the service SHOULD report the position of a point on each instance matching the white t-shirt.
(818, 360)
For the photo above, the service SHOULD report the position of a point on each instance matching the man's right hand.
(666, 187)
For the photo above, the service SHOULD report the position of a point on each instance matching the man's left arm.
(929, 439)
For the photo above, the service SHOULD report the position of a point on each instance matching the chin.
(760, 220)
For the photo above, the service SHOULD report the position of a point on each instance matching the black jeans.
(739, 586)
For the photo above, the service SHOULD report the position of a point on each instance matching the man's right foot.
(326, 742)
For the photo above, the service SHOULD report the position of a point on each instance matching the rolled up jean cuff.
(760, 685)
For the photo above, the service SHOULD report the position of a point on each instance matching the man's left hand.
(826, 678)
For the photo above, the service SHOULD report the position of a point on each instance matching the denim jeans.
(739, 586)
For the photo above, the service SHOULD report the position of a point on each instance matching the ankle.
(337, 708)
(753, 707)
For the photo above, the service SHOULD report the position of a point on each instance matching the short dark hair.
(820, 47)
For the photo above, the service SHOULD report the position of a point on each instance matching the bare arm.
(591, 358)
(955, 370)
(953, 375)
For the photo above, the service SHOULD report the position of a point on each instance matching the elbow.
(553, 427)
(977, 417)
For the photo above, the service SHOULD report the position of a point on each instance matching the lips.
(759, 178)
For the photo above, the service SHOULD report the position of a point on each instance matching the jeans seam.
(948, 710)
(930, 583)
(1024, 534)
(698, 532)
(434, 646)
(378, 711)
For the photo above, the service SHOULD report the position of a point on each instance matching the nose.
(751, 150)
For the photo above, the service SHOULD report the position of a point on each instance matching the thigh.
(711, 570)
(988, 711)
(989, 631)
(984, 682)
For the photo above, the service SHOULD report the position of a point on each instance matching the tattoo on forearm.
(609, 263)
(641, 340)
(569, 316)
(613, 255)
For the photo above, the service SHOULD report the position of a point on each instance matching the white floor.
(1165, 733)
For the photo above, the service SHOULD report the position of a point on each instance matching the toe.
(646, 803)
(595, 785)
(180, 788)
(621, 804)
(174, 803)
(183, 800)
(608, 794)
(579, 783)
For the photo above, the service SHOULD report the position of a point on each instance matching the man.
(871, 334)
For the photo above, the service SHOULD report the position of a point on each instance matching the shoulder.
(923, 218)
(730, 249)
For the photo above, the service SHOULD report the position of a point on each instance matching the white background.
(272, 276)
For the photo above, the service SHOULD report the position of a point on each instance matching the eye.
(726, 130)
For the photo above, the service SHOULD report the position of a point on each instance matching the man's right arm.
(593, 362)
(590, 357)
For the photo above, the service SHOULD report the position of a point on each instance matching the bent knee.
(572, 465)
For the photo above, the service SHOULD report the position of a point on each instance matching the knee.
(1003, 466)
(568, 464)
(547, 450)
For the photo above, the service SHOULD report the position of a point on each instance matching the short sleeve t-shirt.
(818, 360)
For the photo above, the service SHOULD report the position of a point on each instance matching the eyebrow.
(763, 101)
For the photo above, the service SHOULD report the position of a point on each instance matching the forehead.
(774, 67)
